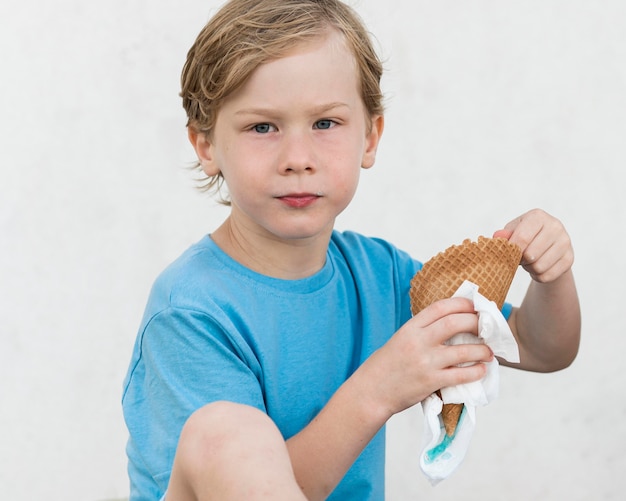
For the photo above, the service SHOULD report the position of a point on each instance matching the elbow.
(561, 358)
(568, 358)
(570, 350)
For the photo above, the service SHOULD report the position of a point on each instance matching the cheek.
(233, 164)
(346, 183)
(244, 180)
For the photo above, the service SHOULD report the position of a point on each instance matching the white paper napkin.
(441, 454)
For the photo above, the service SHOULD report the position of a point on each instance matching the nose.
(297, 153)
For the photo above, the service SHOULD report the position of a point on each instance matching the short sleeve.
(184, 360)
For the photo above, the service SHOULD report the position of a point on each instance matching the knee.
(221, 417)
(232, 450)
(219, 427)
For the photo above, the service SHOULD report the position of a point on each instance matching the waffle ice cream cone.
(490, 263)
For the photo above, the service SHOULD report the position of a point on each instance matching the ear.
(372, 139)
(204, 149)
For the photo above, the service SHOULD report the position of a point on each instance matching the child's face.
(291, 142)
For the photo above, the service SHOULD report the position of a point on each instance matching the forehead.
(313, 70)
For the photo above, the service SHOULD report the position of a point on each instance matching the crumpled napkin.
(441, 454)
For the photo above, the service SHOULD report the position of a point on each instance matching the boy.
(274, 350)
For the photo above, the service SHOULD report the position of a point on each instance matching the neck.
(271, 256)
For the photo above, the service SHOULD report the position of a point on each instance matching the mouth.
(299, 200)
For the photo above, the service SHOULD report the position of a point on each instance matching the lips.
(299, 200)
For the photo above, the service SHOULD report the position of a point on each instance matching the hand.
(546, 247)
(415, 362)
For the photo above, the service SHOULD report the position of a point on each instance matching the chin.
(303, 232)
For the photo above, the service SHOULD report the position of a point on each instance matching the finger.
(550, 272)
(503, 234)
(443, 308)
(549, 246)
(523, 236)
(451, 325)
(527, 227)
(454, 375)
(540, 256)
(462, 355)
(511, 225)
(512, 233)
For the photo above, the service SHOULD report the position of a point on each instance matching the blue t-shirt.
(215, 330)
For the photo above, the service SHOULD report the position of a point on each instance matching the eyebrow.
(316, 110)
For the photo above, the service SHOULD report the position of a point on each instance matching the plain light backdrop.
(493, 108)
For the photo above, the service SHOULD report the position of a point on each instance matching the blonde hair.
(244, 34)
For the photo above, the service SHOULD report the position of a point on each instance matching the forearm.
(324, 451)
(411, 365)
(547, 325)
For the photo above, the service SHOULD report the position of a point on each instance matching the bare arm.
(410, 366)
(415, 361)
(324, 450)
(547, 324)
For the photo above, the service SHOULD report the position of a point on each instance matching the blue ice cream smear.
(439, 451)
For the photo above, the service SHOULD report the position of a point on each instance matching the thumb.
(503, 234)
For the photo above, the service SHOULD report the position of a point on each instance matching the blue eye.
(262, 128)
(324, 124)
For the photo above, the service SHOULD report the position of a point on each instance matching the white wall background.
(493, 108)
